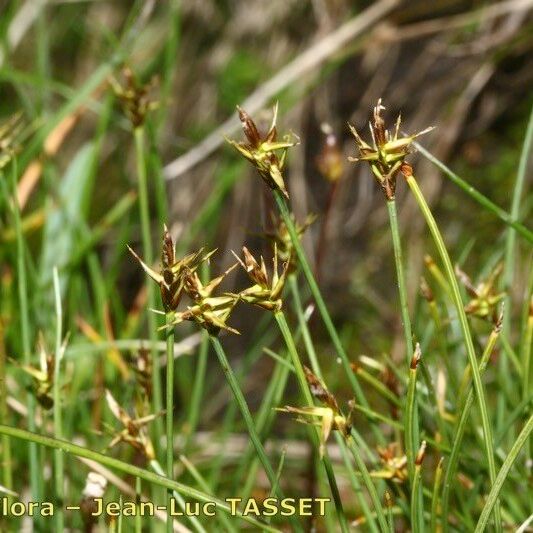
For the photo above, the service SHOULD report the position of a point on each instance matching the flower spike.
(262, 150)
(386, 156)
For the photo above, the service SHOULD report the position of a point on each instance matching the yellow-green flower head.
(388, 151)
(171, 278)
(265, 152)
(265, 292)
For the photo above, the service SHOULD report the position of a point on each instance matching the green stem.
(526, 361)
(149, 258)
(138, 496)
(321, 305)
(411, 428)
(453, 460)
(204, 485)
(127, 468)
(245, 411)
(304, 389)
(400, 276)
(435, 496)
(410, 422)
(7, 467)
(169, 415)
(59, 474)
(367, 480)
(35, 475)
(417, 520)
(315, 365)
(456, 295)
(476, 195)
(156, 467)
(510, 241)
(197, 390)
(265, 417)
(509, 264)
(492, 498)
(390, 518)
(526, 354)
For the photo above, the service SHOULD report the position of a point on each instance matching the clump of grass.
(391, 451)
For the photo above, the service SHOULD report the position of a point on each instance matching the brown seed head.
(416, 357)
(421, 454)
(386, 156)
(137, 100)
(265, 152)
(320, 391)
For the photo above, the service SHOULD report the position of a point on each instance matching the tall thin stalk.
(35, 473)
(510, 240)
(157, 468)
(461, 426)
(411, 412)
(417, 505)
(400, 277)
(197, 390)
(315, 365)
(7, 466)
(409, 416)
(169, 415)
(435, 497)
(149, 258)
(321, 305)
(59, 468)
(463, 321)
(509, 265)
(304, 389)
(247, 416)
(492, 498)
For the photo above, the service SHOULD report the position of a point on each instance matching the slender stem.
(510, 241)
(526, 354)
(411, 426)
(7, 467)
(417, 521)
(476, 195)
(59, 474)
(149, 257)
(410, 409)
(390, 519)
(435, 497)
(197, 390)
(304, 389)
(453, 460)
(35, 474)
(199, 376)
(204, 485)
(492, 498)
(400, 276)
(157, 468)
(315, 365)
(356, 485)
(146, 475)
(265, 417)
(509, 264)
(138, 495)
(411, 430)
(169, 415)
(456, 295)
(367, 480)
(245, 411)
(321, 305)
(526, 362)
